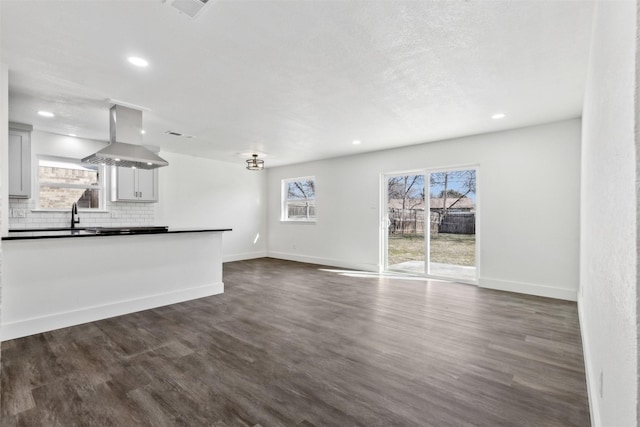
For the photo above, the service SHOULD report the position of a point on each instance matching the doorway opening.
(430, 219)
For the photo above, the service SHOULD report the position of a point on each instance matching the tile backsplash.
(118, 214)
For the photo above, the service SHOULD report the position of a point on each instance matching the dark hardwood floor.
(290, 344)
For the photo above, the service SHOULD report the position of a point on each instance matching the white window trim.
(283, 202)
(102, 187)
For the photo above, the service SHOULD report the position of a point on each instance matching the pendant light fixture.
(254, 164)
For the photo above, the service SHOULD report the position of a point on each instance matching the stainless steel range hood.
(125, 148)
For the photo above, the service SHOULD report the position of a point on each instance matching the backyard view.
(457, 249)
(441, 206)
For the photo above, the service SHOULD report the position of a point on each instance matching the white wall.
(4, 148)
(607, 300)
(529, 187)
(198, 192)
(4, 174)
(51, 144)
(84, 280)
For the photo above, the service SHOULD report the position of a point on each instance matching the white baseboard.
(37, 325)
(592, 381)
(529, 289)
(243, 256)
(323, 261)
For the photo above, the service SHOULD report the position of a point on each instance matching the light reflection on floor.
(455, 272)
(371, 274)
(414, 270)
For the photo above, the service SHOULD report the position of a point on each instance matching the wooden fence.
(301, 210)
(458, 223)
(411, 221)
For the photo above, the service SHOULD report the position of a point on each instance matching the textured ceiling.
(296, 80)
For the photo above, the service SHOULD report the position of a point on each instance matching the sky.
(456, 181)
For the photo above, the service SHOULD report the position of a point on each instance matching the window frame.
(102, 181)
(284, 205)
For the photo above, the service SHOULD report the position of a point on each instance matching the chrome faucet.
(75, 219)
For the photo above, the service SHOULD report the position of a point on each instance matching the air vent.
(189, 7)
(174, 133)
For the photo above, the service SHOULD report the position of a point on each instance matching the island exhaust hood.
(125, 147)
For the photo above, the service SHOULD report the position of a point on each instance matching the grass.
(456, 249)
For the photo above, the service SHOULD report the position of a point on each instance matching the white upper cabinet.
(148, 184)
(20, 160)
(134, 185)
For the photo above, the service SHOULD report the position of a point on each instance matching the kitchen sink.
(128, 230)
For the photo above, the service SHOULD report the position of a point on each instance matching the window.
(62, 182)
(299, 199)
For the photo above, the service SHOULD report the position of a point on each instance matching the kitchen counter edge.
(68, 234)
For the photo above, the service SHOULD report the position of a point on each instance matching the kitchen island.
(54, 279)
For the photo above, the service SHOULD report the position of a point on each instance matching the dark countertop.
(62, 233)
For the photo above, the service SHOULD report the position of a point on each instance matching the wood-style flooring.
(291, 344)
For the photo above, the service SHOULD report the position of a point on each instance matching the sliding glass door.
(431, 218)
(405, 223)
(452, 237)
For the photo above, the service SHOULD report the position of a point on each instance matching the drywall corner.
(637, 145)
(609, 217)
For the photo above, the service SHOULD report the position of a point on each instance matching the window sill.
(298, 221)
(68, 210)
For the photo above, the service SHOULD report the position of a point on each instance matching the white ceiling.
(296, 80)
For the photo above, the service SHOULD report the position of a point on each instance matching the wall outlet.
(601, 384)
(18, 213)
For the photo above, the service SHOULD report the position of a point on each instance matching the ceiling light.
(46, 114)
(138, 62)
(356, 142)
(254, 164)
(498, 116)
(73, 134)
(143, 131)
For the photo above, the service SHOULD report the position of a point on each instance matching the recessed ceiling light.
(73, 134)
(138, 62)
(143, 131)
(149, 163)
(117, 160)
(498, 116)
(356, 142)
(46, 114)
